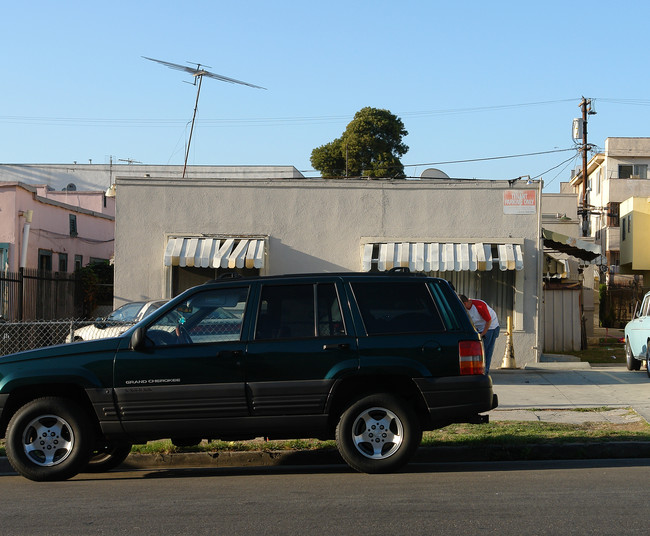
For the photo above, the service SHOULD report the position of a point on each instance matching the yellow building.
(635, 231)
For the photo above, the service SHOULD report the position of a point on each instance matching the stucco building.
(484, 236)
(93, 177)
(66, 230)
(618, 173)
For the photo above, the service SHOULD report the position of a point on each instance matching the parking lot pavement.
(557, 386)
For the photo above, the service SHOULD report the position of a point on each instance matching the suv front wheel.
(378, 434)
(48, 439)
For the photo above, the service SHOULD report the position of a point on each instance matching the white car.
(117, 322)
(637, 337)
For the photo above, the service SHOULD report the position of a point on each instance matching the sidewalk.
(567, 385)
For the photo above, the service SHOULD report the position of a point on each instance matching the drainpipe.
(23, 259)
(23, 250)
(539, 342)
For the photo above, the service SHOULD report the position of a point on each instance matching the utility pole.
(585, 106)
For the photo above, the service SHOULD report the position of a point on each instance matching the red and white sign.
(519, 202)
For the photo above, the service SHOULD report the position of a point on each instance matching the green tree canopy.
(371, 145)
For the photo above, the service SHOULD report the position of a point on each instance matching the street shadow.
(343, 470)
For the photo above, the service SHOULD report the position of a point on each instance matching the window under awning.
(560, 266)
(575, 247)
(441, 257)
(201, 252)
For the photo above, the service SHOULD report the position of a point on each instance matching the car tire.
(630, 361)
(107, 457)
(378, 433)
(49, 439)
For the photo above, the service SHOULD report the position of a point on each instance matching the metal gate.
(561, 314)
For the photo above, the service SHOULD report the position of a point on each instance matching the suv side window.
(396, 307)
(288, 312)
(330, 318)
(206, 317)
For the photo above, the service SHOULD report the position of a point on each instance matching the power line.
(567, 162)
(260, 121)
(469, 160)
(490, 158)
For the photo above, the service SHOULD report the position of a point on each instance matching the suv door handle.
(341, 346)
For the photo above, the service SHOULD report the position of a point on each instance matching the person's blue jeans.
(489, 339)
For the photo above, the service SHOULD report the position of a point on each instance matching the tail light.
(470, 357)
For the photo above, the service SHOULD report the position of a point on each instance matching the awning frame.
(441, 256)
(581, 249)
(223, 251)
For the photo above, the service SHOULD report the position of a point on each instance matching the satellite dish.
(433, 173)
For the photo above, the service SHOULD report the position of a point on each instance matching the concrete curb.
(567, 451)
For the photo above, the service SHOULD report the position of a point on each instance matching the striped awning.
(441, 257)
(215, 253)
(560, 266)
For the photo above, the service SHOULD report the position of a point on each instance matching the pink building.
(68, 229)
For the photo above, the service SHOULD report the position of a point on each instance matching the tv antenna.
(198, 73)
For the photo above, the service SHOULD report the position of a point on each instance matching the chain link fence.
(19, 336)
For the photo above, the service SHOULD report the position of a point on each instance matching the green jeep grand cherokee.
(369, 359)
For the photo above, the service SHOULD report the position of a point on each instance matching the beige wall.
(317, 225)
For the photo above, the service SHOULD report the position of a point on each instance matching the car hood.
(66, 350)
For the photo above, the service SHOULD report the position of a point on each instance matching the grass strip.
(454, 435)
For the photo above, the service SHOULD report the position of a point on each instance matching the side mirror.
(137, 340)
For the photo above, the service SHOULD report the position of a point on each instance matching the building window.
(78, 262)
(633, 171)
(4, 257)
(624, 171)
(63, 262)
(191, 276)
(97, 260)
(613, 215)
(44, 260)
(73, 225)
(495, 287)
(640, 171)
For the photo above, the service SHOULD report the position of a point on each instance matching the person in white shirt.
(486, 323)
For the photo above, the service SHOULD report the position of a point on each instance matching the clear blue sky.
(470, 80)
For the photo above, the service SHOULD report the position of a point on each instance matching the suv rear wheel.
(378, 434)
(48, 439)
(107, 456)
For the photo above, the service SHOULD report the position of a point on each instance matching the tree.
(371, 146)
(96, 286)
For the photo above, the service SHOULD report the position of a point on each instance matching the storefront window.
(184, 277)
(495, 287)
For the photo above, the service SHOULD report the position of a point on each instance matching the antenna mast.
(199, 73)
